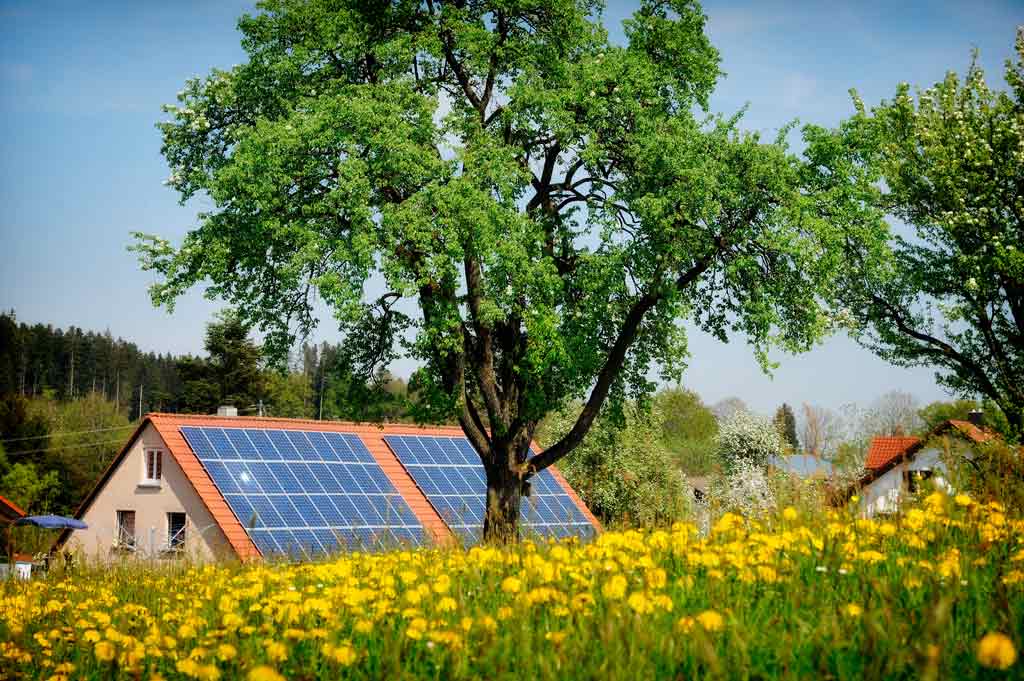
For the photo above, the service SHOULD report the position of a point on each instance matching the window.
(126, 530)
(175, 531)
(154, 465)
(913, 479)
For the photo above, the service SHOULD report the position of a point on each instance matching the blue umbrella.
(52, 522)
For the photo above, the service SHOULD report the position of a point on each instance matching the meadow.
(935, 593)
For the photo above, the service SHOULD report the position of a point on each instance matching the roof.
(885, 449)
(168, 426)
(885, 453)
(10, 510)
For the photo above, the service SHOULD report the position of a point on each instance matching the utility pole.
(260, 407)
(140, 401)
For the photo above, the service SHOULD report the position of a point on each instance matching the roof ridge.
(284, 419)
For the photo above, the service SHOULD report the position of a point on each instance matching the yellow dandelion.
(853, 610)
(226, 652)
(511, 585)
(711, 620)
(264, 673)
(996, 651)
(104, 651)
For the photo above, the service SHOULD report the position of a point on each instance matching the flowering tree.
(497, 191)
(749, 438)
(950, 165)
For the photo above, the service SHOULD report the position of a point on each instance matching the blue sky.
(81, 86)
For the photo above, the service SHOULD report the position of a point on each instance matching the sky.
(81, 85)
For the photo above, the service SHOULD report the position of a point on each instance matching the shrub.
(743, 436)
(623, 471)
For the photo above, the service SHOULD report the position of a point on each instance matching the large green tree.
(948, 292)
(497, 190)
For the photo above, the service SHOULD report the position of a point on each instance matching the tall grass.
(789, 596)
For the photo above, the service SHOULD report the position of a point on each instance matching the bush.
(623, 473)
(743, 436)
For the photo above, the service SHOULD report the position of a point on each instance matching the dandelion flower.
(263, 673)
(853, 610)
(996, 651)
(711, 620)
(105, 651)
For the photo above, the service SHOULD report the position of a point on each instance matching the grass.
(791, 596)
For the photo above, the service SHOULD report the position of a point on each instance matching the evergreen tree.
(785, 421)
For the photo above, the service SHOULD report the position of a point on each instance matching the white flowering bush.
(746, 437)
(746, 490)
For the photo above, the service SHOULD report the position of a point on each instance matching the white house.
(896, 466)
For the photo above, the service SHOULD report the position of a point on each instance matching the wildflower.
(555, 637)
(226, 652)
(996, 651)
(853, 610)
(277, 651)
(615, 588)
(511, 585)
(447, 604)
(263, 673)
(343, 655)
(639, 603)
(104, 651)
(962, 500)
(711, 620)
(790, 513)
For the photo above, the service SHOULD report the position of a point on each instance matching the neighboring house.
(9, 511)
(896, 466)
(218, 487)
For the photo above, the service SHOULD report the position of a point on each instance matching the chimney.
(227, 410)
(977, 417)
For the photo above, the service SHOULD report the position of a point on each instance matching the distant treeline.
(40, 360)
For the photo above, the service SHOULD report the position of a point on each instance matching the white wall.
(204, 540)
(885, 493)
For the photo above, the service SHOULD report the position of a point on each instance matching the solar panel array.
(302, 493)
(450, 474)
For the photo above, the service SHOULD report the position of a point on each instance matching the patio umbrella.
(52, 522)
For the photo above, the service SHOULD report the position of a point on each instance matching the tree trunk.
(501, 518)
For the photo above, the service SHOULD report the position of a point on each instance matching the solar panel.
(303, 493)
(449, 472)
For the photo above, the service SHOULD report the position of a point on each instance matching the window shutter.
(159, 464)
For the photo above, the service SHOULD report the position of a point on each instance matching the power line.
(70, 447)
(63, 433)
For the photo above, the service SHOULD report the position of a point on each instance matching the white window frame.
(147, 454)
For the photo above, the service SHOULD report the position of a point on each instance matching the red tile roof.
(9, 509)
(971, 431)
(885, 449)
(372, 435)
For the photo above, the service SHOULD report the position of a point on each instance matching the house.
(896, 466)
(216, 487)
(9, 511)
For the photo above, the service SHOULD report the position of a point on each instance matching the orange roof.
(9, 509)
(971, 431)
(372, 436)
(885, 449)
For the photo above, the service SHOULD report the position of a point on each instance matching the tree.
(727, 408)
(748, 438)
(623, 473)
(684, 415)
(785, 422)
(894, 413)
(937, 412)
(951, 293)
(234, 360)
(549, 203)
(821, 430)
